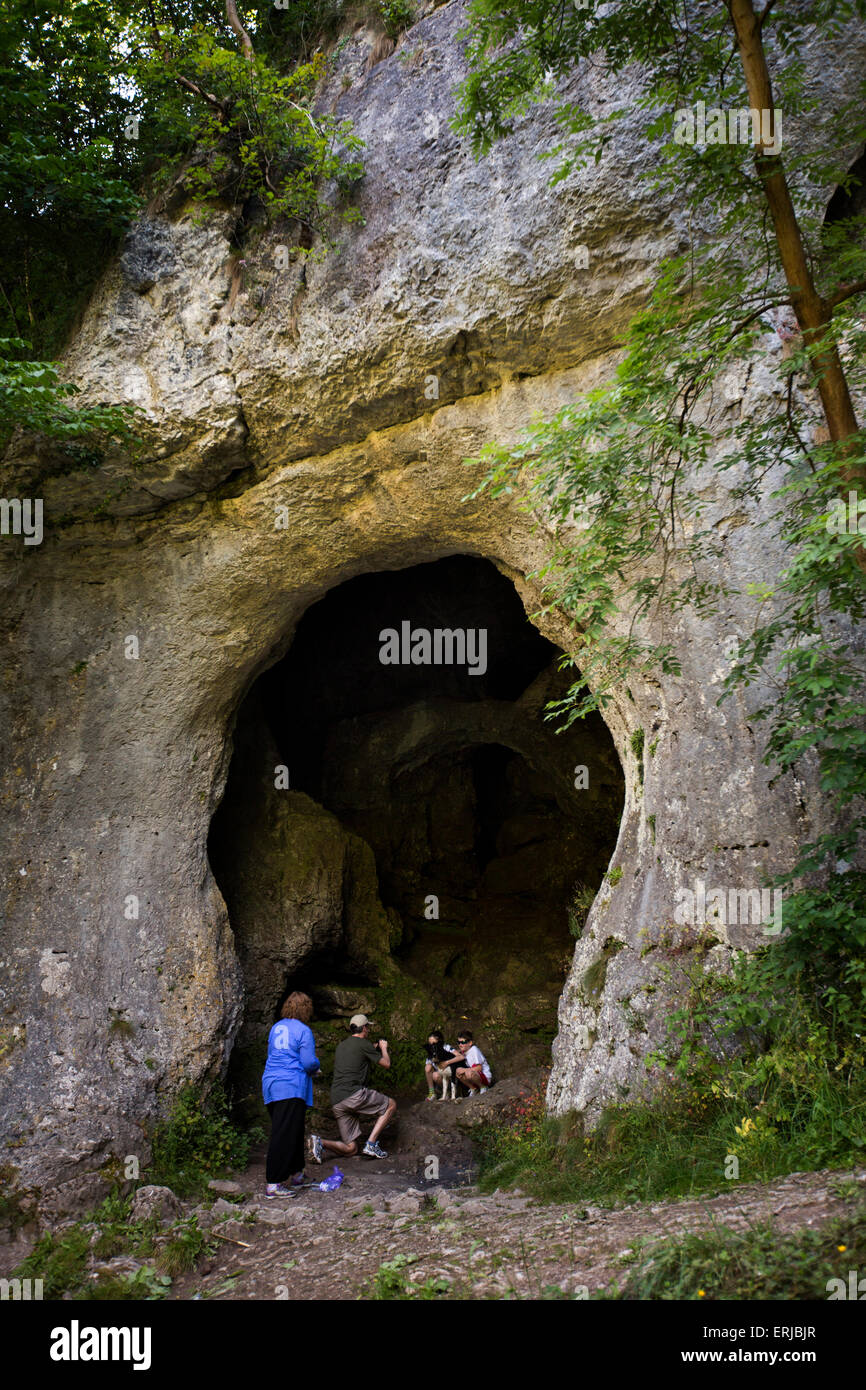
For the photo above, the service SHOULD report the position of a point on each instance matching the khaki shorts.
(366, 1103)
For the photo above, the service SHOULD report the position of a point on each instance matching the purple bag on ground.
(329, 1184)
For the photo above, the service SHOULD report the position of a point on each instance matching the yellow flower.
(701, 1293)
(842, 1247)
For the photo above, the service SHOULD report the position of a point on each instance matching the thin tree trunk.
(812, 311)
(234, 21)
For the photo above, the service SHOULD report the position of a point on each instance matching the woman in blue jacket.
(287, 1088)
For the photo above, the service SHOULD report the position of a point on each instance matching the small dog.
(437, 1053)
(448, 1080)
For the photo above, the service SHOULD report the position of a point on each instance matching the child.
(475, 1071)
(438, 1065)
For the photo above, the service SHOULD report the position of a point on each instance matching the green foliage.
(759, 1263)
(183, 1250)
(144, 1285)
(517, 49)
(637, 746)
(391, 1282)
(258, 138)
(797, 1074)
(582, 900)
(196, 1142)
(397, 14)
(638, 1153)
(105, 99)
(615, 462)
(33, 398)
(70, 176)
(780, 1090)
(60, 1261)
(294, 34)
(618, 459)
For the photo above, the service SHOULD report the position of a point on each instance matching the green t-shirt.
(352, 1061)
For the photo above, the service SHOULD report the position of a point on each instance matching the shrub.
(398, 15)
(196, 1142)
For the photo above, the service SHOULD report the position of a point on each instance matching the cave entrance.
(402, 832)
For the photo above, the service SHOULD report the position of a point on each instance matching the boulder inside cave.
(414, 840)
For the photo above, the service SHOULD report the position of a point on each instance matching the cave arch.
(405, 839)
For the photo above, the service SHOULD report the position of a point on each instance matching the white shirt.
(475, 1058)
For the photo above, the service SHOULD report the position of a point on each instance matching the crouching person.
(472, 1067)
(351, 1099)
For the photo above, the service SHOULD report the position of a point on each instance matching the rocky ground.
(417, 1219)
(388, 1219)
(331, 1245)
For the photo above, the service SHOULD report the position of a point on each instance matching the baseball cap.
(358, 1020)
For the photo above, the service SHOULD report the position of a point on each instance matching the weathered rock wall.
(264, 393)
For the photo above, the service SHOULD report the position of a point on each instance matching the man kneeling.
(351, 1098)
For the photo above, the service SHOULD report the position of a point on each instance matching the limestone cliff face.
(350, 398)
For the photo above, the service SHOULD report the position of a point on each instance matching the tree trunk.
(812, 311)
(234, 21)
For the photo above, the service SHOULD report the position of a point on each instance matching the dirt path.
(330, 1245)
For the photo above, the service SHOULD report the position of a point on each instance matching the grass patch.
(593, 980)
(578, 911)
(16, 1206)
(637, 746)
(391, 1282)
(145, 1285)
(760, 1263)
(183, 1250)
(678, 1147)
(62, 1260)
(397, 16)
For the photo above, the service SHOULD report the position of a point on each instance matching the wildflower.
(842, 1248)
(701, 1293)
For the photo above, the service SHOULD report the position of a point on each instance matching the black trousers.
(286, 1149)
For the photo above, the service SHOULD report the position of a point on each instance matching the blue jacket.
(291, 1062)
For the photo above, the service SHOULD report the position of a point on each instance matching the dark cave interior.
(414, 839)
